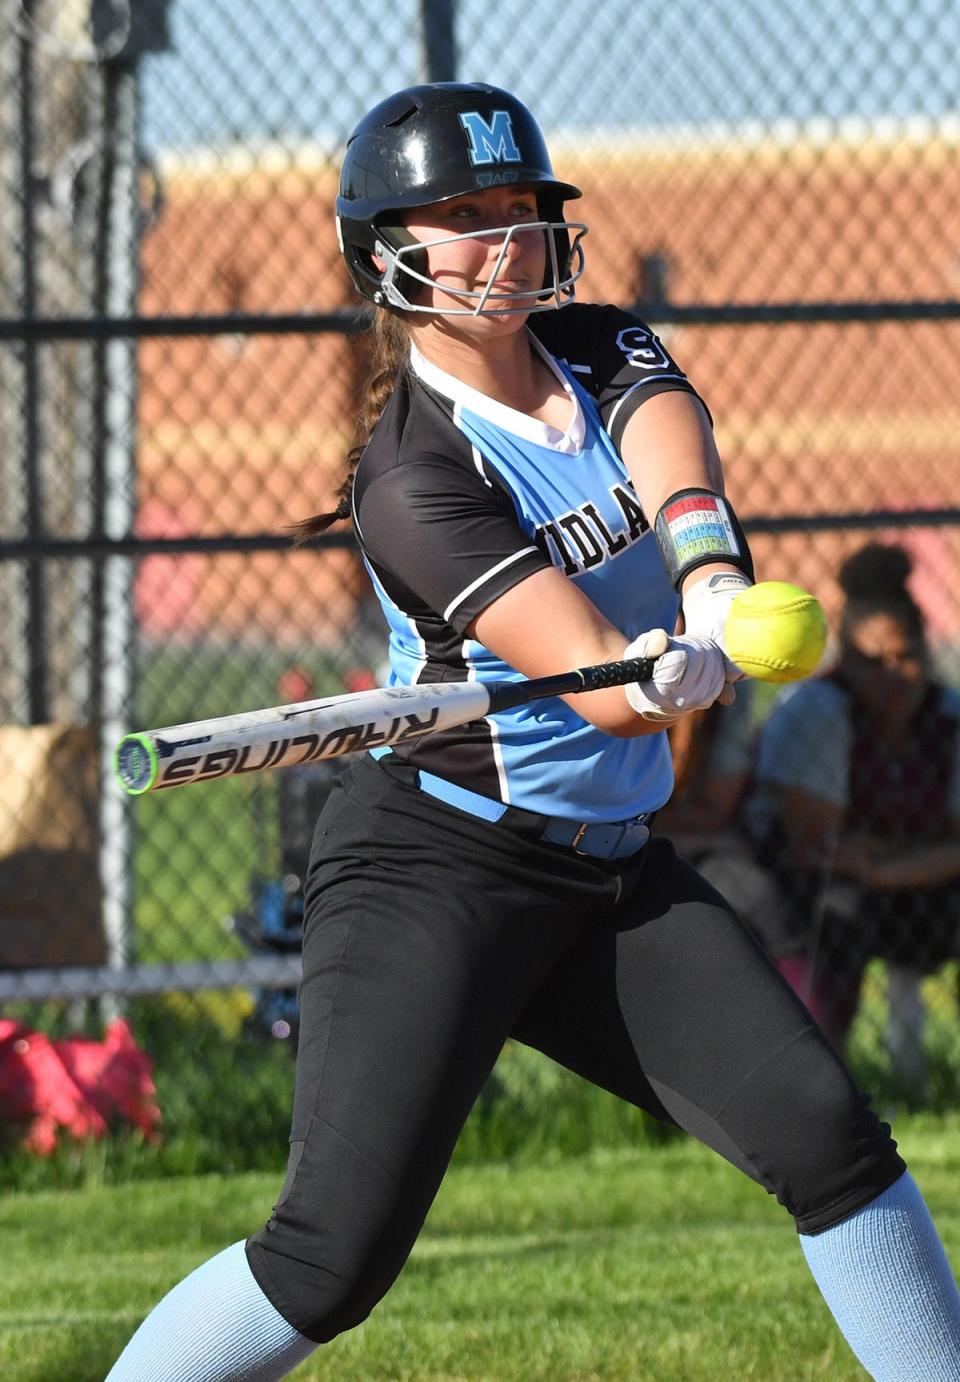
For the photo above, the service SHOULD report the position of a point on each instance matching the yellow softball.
(775, 631)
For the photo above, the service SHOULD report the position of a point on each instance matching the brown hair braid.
(389, 351)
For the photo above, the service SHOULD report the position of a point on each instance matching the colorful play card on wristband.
(699, 526)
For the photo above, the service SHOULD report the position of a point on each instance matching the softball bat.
(308, 731)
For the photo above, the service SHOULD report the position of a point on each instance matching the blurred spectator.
(858, 804)
(713, 756)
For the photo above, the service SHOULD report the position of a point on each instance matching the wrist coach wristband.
(696, 526)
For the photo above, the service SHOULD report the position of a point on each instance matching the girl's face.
(497, 260)
(885, 665)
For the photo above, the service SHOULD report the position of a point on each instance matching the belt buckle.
(620, 826)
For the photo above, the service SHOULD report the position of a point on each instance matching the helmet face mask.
(429, 144)
(404, 270)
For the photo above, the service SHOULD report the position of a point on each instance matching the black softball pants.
(431, 938)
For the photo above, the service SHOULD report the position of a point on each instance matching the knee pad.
(828, 1152)
(320, 1302)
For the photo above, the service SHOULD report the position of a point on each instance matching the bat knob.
(135, 764)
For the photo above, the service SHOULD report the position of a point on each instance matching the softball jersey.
(458, 497)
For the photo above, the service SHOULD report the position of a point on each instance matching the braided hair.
(389, 352)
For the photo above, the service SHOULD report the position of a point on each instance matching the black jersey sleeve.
(447, 535)
(615, 355)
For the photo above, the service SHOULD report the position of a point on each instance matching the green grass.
(226, 1106)
(638, 1264)
(226, 1097)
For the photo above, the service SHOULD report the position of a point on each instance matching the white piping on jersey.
(477, 455)
(577, 431)
(531, 429)
(498, 761)
(491, 724)
(649, 379)
(353, 510)
(491, 571)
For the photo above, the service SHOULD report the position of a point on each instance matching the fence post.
(438, 55)
(113, 492)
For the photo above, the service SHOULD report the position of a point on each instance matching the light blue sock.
(215, 1326)
(886, 1278)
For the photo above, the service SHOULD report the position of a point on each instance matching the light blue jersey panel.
(406, 651)
(551, 759)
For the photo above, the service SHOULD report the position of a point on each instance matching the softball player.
(539, 489)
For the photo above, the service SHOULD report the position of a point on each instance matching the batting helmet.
(430, 143)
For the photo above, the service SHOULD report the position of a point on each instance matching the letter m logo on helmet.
(493, 141)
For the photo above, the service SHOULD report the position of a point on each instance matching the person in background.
(858, 802)
(713, 755)
(536, 487)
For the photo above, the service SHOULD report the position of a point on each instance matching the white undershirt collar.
(531, 429)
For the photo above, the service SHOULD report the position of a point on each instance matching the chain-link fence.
(776, 188)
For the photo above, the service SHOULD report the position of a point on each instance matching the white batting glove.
(705, 607)
(690, 675)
